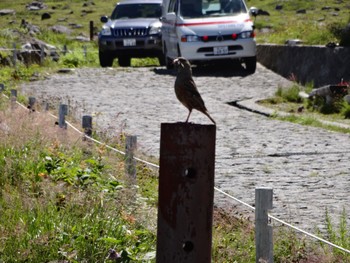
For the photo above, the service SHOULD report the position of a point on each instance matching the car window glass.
(137, 11)
(200, 8)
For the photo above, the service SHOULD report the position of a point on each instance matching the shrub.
(341, 31)
(290, 94)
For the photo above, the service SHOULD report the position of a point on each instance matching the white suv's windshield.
(205, 8)
(137, 11)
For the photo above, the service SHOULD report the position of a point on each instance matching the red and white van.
(204, 30)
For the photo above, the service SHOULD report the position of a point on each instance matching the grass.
(315, 27)
(311, 112)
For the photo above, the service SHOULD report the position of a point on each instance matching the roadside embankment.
(318, 64)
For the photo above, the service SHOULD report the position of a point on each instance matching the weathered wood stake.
(31, 103)
(42, 54)
(130, 162)
(13, 98)
(91, 30)
(186, 192)
(62, 112)
(14, 55)
(87, 125)
(263, 230)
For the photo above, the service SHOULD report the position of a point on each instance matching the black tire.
(124, 61)
(106, 60)
(161, 60)
(250, 64)
(167, 61)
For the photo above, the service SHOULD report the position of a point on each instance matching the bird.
(186, 90)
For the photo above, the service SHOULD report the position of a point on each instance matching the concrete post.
(263, 230)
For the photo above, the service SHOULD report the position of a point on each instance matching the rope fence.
(215, 188)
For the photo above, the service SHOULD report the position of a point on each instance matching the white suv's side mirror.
(254, 11)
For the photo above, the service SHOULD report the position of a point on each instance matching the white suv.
(203, 30)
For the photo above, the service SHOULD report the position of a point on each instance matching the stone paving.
(307, 167)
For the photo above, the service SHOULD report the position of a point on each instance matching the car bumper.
(200, 51)
(149, 46)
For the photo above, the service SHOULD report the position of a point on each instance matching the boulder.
(45, 16)
(33, 50)
(60, 29)
(301, 11)
(279, 7)
(5, 12)
(36, 5)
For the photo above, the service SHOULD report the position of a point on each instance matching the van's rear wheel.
(167, 61)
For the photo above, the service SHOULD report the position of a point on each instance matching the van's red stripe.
(210, 23)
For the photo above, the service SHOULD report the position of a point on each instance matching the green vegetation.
(312, 112)
(322, 22)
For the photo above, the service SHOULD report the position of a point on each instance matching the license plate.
(220, 50)
(129, 42)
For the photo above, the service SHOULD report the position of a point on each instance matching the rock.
(263, 13)
(279, 7)
(32, 51)
(82, 39)
(5, 12)
(32, 29)
(301, 11)
(293, 42)
(75, 26)
(36, 5)
(60, 29)
(347, 98)
(65, 70)
(326, 8)
(45, 16)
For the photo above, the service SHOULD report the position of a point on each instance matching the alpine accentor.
(186, 90)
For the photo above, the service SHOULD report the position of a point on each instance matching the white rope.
(215, 188)
(285, 223)
(54, 49)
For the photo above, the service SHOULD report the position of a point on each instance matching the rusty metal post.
(186, 192)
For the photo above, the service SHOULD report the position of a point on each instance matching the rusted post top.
(186, 192)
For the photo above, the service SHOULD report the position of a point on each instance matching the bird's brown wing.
(194, 96)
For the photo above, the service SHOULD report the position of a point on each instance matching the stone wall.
(318, 64)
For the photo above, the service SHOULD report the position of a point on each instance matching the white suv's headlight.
(106, 31)
(155, 28)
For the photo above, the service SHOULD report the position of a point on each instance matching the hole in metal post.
(190, 173)
(187, 246)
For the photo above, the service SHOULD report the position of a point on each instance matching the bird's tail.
(206, 113)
